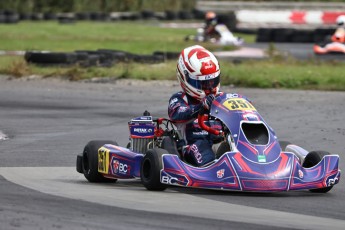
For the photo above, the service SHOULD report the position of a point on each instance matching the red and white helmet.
(198, 72)
(341, 20)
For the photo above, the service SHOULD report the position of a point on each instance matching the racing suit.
(210, 29)
(183, 111)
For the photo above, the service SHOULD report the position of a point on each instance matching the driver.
(199, 76)
(339, 34)
(211, 21)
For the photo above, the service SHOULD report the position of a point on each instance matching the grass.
(137, 37)
(145, 38)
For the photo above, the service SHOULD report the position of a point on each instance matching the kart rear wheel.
(90, 161)
(150, 169)
(312, 159)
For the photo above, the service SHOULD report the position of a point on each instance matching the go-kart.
(249, 156)
(329, 48)
(225, 36)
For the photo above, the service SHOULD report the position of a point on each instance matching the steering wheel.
(201, 120)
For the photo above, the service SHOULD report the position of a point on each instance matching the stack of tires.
(293, 35)
(100, 58)
(9, 17)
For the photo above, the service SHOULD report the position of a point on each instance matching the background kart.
(249, 157)
(225, 36)
(330, 48)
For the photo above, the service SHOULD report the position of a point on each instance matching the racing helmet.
(340, 20)
(198, 72)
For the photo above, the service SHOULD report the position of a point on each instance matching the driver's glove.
(207, 101)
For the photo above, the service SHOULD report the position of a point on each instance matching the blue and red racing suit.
(183, 111)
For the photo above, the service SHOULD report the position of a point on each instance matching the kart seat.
(222, 148)
(169, 144)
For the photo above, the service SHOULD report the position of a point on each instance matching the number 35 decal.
(238, 104)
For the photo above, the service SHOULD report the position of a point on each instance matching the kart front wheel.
(150, 170)
(312, 159)
(90, 161)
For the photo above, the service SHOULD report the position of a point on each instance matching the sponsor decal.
(300, 174)
(143, 130)
(333, 181)
(182, 109)
(173, 101)
(142, 118)
(250, 117)
(115, 164)
(208, 66)
(201, 133)
(194, 149)
(175, 106)
(231, 95)
(169, 180)
(121, 168)
(261, 158)
(220, 173)
(146, 118)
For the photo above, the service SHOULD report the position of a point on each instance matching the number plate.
(238, 104)
(103, 160)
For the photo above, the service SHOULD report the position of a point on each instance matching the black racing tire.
(283, 144)
(83, 16)
(229, 19)
(50, 58)
(171, 15)
(167, 55)
(303, 36)
(185, 15)
(147, 14)
(90, 161)
(312, 159)
(282, 35)
(264, 35)
(12, 18)
(49, 16)
(2, 18)
(151, 166)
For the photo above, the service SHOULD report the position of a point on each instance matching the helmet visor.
(209, 84)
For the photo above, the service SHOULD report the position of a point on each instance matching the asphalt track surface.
(48, 122)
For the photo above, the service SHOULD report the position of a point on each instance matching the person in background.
(339, 34)
(211, 21)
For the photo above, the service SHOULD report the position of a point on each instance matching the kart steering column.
(201, 120)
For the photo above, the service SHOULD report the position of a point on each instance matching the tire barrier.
(9, 17)
(13, 17)
(293, 35)
(100, 58)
